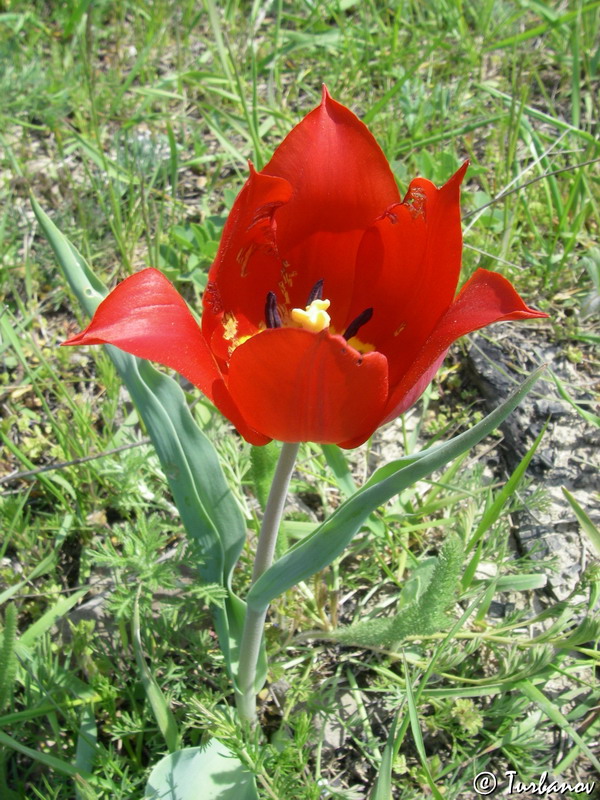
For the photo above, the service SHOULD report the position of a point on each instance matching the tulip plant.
(329, 307)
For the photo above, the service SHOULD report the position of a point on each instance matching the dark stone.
(568, 454)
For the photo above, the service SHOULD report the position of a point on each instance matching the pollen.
(230, 326)
(312, 318)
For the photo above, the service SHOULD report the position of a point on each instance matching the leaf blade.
(329, 539)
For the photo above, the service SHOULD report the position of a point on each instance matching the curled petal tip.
(80, 338)
(325, 96)
(533, 313)
(460, 172)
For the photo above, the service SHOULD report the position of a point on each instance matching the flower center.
(314, 317)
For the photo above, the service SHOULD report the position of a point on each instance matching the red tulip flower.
(331, 302)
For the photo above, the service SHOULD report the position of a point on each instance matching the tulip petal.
(145, 316)
(340, 177)
(341, 183)
(408, 265)
(295, 385)
(486, 298)
(247, 265)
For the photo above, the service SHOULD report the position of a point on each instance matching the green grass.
(132, 123)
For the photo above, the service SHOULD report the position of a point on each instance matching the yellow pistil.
(312, 318)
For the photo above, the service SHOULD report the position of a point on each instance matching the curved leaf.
(208, 509)
(326, 542)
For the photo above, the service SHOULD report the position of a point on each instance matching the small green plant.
(424, 615)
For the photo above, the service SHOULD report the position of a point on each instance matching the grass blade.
(162, 713)
(540, 29)
(382, 790)
(50, 618)
(415, 727)
(586, 523)
(85, 754)
(57, 764)
(557, 717)
(492, 514)
(8, 659)
(593, 419)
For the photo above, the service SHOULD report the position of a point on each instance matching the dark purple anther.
(316, 293)
(357, 323)
(271, 314)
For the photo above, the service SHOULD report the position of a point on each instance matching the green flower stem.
(255, 621)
